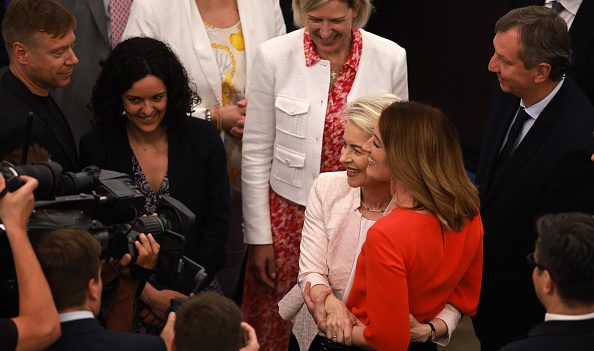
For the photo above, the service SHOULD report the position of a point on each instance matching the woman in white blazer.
(216, 40)
(300, 87)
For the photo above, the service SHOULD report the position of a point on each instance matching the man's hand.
(263, 264)
(168, 333)
(251, 344)
(16, 207)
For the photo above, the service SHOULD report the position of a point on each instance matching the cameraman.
(37, 325)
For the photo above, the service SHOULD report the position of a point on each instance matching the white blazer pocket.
(286, 165)
(290, 115)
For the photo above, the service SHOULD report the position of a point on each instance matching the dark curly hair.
(132, 60)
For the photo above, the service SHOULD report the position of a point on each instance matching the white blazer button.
(292, 109)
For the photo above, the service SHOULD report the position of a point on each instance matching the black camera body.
(106, 204)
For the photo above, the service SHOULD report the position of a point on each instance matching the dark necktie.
(512, 137)
(557, 7)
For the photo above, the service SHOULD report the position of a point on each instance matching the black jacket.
(549, 172)
(87, 334)
(197, 178)
(557, 335)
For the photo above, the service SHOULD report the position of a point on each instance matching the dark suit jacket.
(92, 47)
(549, 172)
(197, 178)
(50, 129)
(557, 335)
(582, 43)
(87, 334)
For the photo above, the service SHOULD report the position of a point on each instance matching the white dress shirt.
(570, 10)
(76, 315)
(566, 317)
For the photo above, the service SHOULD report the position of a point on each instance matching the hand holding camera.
(16, 207)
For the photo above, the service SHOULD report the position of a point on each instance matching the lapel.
(120, 155)
(247, 30)
(20, 90)
(536, 136)
(500, 121)
(201, 45)
(582, 29)
(98, 13)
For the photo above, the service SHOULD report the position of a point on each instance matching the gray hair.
(365, 112)
(300, 7)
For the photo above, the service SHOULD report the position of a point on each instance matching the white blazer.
(282, 140)
(179, 24)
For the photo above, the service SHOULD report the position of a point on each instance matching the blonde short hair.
(364, 112)
(300, 7)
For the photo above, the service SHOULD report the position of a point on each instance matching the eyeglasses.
(532, 262)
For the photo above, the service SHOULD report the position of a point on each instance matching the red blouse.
(337, 100)
(408, 263)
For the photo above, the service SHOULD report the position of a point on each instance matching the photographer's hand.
(251, 342)
(159, 300)
(121, 307)
(168, 333)
(16, 207)
(148, 251)
(149, 318)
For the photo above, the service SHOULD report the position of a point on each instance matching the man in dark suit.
(563, 276)
(535, 159)
(70, 261)
(579, 16)
(39, 39)
(93, 45)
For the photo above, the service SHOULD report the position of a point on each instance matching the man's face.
(51, 60)
(514, 77)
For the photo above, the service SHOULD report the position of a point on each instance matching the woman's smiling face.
(352, 155)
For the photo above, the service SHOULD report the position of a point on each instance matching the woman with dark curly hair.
(142, 100)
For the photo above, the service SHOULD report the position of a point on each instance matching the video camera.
(106, 204)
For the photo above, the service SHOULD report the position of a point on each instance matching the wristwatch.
(433, 331)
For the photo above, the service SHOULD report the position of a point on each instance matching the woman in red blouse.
(428, 251)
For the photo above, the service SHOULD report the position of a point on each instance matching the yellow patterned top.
(229, 51)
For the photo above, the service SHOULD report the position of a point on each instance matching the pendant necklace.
(333, 76)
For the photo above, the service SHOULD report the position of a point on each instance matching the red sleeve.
(465, 296)
(387, 294)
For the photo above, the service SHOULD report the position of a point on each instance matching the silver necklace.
(379, 210)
